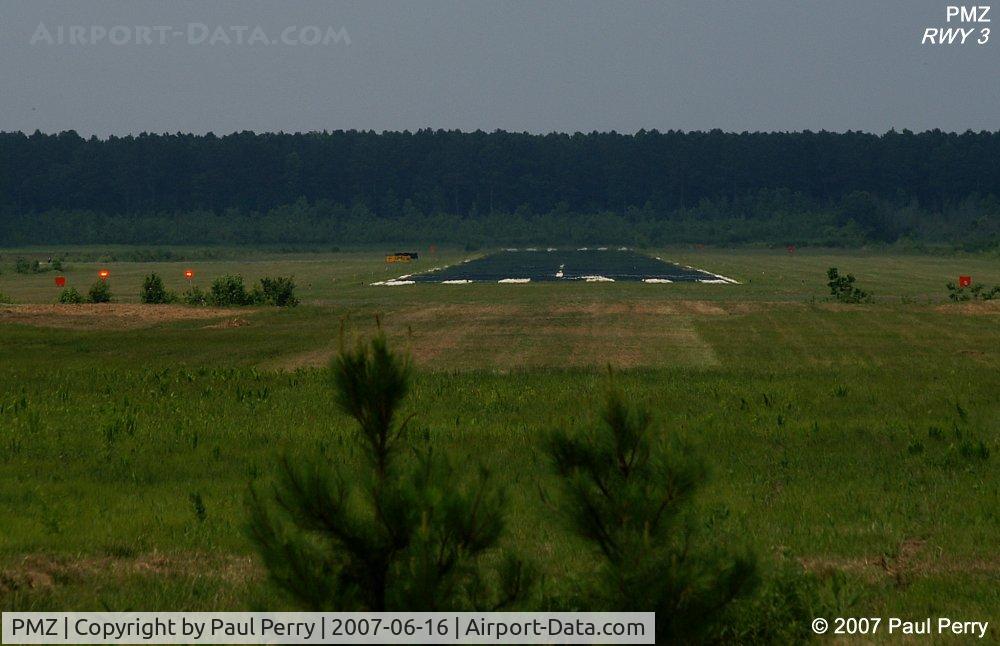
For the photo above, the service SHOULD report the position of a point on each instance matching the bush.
(5, 300)
(279, 291)
(70, 295)
(957, 293)
(25, 266)
(194, 296)
(842, 288)
(405, 534)
(99, 292)
(977, 292)
(228, 291)
(153, 291)
(628, 488)
(781, 610)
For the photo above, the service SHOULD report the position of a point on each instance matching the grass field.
(858, 438)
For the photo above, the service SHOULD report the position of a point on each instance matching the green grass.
(856, 438)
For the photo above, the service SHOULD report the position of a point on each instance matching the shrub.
(70, 295)
(194, 296)
(198, 506)
(228, 291)
(842, 288)
(978, 292)
(781, 610)
(153, 291)
(100, 292)
(404, 535)
(957, 293)
(279, 291)
(627, 487)
(5, 300)
(25, 266)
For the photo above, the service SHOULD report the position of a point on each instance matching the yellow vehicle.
(401, 256)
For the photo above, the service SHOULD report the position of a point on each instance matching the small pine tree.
(99, 292)
(626, 490)
(153, 291)
(404, 535)
(842, 287)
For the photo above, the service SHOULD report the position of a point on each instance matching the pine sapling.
(406, 532)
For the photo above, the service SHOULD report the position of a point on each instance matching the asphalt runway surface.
(548, 264)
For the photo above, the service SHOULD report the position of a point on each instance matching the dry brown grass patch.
(108, 315)
(970, 308)
(40, 571)
(228, 323)
(912, 560)
(505, 337)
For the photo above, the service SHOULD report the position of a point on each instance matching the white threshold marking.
(656, 280)
(719, 278)
(463, 281)
(404, 279)
(597, 279)
(514, 280)
(394, 283)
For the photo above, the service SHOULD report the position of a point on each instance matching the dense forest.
(454, 187)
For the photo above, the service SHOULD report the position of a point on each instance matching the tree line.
(313, 186)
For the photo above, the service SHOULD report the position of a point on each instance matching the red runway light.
(188, 274)
(964, 281)
(60, 281)
(103, 274)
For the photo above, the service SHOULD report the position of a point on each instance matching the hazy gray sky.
(540, 67)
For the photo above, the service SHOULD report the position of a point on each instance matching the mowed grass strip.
(507, 337)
